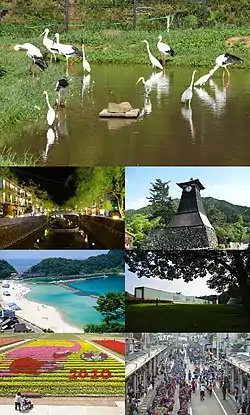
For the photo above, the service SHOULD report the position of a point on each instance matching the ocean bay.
(76, 308)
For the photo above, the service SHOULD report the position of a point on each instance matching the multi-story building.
(16, 200)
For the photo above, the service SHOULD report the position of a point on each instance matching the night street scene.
(187, 373)
(62, 208)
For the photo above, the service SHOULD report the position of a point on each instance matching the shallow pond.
(215, 131)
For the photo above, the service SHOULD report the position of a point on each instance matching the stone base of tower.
(182, 238)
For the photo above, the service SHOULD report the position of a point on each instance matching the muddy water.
(214, 131)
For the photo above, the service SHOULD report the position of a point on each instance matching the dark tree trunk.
(243, 280)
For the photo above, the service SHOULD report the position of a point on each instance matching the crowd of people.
(174, 384)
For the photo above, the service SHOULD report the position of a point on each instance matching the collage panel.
(58, 374)
(62, 326)
(62, 207)
(187, 373)
(125, 207)
(187, 208)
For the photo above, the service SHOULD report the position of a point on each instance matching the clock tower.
(190, 227)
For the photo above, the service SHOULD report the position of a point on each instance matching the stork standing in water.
(49, 43)
(68, 51)
(155, 63)
(34, 54)
(51, 115)
(164, 49)
(85, 64)
(188, 94)
(61, 86)
(223, 61)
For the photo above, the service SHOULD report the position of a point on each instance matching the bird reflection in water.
(147, 107)
(187, 114)
(50, 141)
(220, 96)
(204, 96)
(218, 102)
(85, 85)
(62, 123)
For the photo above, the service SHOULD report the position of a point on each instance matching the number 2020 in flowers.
(93, 374)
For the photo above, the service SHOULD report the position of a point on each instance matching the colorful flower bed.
(4, 341)
(115, 345)
(58, 368)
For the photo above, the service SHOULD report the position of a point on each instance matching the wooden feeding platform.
(134, 113)
(122, 110)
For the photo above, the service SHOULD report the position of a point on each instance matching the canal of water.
(214, 131)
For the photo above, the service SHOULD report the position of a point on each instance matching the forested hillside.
(230, 221)
(217, 211)
(6, 269)
(63, 267)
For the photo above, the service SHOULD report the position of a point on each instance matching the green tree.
(111, 306)
(99, 185)
(237, 229)
(140, 226)
(161, 202)
(227, 269)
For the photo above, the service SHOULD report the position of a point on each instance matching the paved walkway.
(66, 410)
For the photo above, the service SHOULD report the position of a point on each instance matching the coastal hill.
(6, 270)
(112, 262)
(217, 211)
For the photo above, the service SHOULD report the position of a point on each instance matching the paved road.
(212, 405)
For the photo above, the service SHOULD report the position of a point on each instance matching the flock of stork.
(70, 51)
(222, 61)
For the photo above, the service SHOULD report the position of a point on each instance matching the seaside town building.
(16, 200)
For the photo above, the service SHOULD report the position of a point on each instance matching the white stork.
(49, 43)
(224, 60)
(68, 51)
(34, 54)
(164, 49)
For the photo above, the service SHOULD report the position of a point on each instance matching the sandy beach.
(41, 315)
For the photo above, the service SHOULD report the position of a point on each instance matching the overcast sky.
(225, 183)
(197, 288)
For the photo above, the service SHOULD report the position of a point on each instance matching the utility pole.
(204, 12)
(217, 350)
(134, 14)
(67, 15)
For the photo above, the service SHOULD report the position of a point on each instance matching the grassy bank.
(184, 317)
(23, 105)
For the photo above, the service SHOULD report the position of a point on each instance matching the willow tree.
(100, 186)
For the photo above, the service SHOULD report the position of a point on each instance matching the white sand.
(41, 315)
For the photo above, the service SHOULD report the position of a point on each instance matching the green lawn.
(185, 317)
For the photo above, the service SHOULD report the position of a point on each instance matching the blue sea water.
(100, 286)
(75, 309)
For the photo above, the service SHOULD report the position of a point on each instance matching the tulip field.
(60, 368)
(114, 345)
(5, 341)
